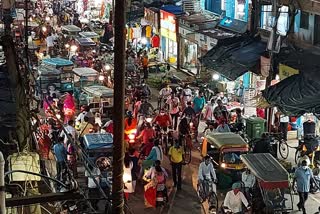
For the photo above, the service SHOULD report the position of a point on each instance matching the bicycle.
(206, 192)
(283, 146)
(187, 147)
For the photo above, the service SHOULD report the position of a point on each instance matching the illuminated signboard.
(168, 25)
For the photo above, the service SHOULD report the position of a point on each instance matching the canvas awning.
(235, 58)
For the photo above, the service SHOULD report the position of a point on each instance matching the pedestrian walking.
(303, 176)
(60, 154)
(174, 110)
(177, 159)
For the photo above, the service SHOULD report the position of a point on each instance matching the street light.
(215, 76)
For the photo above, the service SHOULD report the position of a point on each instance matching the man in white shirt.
(50, 42)
(249, 181)
(234, 200)
(207, 173)
(165, 93)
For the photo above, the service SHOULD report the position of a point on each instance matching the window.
(267, 19)
(304, 20)
(240, 10)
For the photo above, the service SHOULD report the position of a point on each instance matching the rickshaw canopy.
(229, 139)
(269, 172)
(57, 62)
(85, 72)
(85, 42)
(89, 35)
(71, 28)
(94, 141)
(45, 70)
(98, 91)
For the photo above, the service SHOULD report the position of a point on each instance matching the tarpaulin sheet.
(234, 60)
(295, 95)
(267, 169)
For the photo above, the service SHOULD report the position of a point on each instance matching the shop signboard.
(152, 17)
(168, 25)
(233, 25)
(286, 71)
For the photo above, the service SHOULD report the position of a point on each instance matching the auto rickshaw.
(65, 67)
(91, 35)
(225, 150)
(70, 30)
(272, 191)
(99, 98)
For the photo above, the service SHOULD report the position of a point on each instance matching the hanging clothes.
(136, 32)
(148, 31)
(155, 41)
(143, 31)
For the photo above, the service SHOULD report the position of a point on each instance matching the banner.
(265, 66)
(286, 71)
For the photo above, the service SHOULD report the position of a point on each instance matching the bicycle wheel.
(283, 149)
(165, 145)
(297, 156)
(187, 154)
(213, 203)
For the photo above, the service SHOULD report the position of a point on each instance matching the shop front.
(188, 50)
(169, 45)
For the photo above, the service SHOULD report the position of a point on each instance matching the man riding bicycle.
(207, 180)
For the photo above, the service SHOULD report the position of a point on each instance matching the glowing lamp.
(73, 48)
(67, 46)
(107, 67)
(101, 77)
(215, 76)
(223, 165)
(148, 119)
(44, 29)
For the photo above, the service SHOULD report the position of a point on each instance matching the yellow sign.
(168, 34)
(286, 71)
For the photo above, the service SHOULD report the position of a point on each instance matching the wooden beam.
(43, 198)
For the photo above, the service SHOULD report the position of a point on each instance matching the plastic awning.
(235, 59)
(269, 172)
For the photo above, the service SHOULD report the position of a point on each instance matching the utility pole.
(2, 189)
(271, 46)
(118, 111)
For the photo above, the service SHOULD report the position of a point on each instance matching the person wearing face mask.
(207, 173)
(176, 157)
(234, 200)
(303, 176)
(163, 119)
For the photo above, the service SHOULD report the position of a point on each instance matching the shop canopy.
(232, 57)
(269, 172)
(300, 93)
